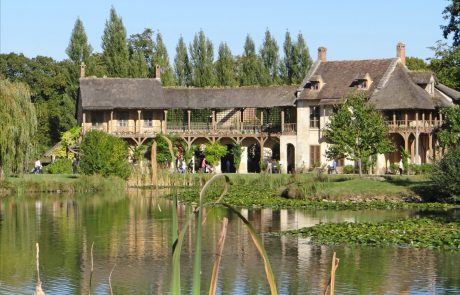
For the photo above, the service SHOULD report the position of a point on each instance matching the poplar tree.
(225, 66)
(114, 46)
(286, 64)
(79, 50)
(182, 68)
(161, 58)
(137, 65)
(270, 57)
(251, 66)
(202, 58)
(301, 60)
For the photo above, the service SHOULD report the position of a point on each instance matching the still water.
(132, 235)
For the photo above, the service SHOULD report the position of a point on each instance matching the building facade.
(282, 123)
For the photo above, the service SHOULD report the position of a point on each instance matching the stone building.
(283, 123)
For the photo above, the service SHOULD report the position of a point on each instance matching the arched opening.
(227, 163)
(411, 145)
(254, 158)
(290, 158)
(395, 156)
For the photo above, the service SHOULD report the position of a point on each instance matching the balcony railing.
(421, 125)
(290, 128)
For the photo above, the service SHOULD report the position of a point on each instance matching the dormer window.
(362, 81)
(315, 83)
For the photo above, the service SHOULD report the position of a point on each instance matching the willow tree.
(18, 124)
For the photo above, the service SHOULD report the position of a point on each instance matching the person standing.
(401, 167)
(269, 167)
(334, 166)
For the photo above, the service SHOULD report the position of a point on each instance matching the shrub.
(348, 169)
(104, 154)
(61, 166)
(394, 168)
(213, 152)
(446, 173)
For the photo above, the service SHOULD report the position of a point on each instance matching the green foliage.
(161, 58)
(452, 14)
(142, 44)
(202, 58)
(137, 66)
(251, 67)
(296, 61)
(446, 173)
(79, 50)
(225, 66)
(236, 152)
(417, 233)
(214, 151)
(18, 124)
(416, 64)
(269, 54)
(357, 131)
(446, 65)
(182, 66)
(114, 46)
(139, 153)
(61, 166)
(448, 134)
(348, 169)
(104, 154)
(405, 159)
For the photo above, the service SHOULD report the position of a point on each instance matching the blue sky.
(349, 29)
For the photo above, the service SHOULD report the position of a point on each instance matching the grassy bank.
(418, 233)
(69, 183)
(330, 191)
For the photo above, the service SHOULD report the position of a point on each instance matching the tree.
(287, 64)
(18, 124)
(251, 66)
(301, 60)
(225, 66)
(270, 56)
(449, 133)
(357, 131)
(213, 152)
(416, 64)
(114, 46)
(143, 44)
(202, 58)
(446, 64)
(104, 154)
(137, 65)
(452, 13)
(79, 50)
(446, 174)
(161, 58)
(182, 67)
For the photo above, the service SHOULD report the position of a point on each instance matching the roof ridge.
(387, 75)
(310, 73)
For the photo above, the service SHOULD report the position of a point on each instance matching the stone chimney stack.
(401, 52)
(157, 72)
(82, 70)
(322, 53)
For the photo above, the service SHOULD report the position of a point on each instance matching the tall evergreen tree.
(287, 64)
(202, 58)
(137, 65)
(114, 46)
(270, 56)
(143, 43)
(301, 60)
(79, 49)
(182, 67)
(225, 66)
(251, 66)
(161, 58)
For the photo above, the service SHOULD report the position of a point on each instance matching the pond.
(132, 235)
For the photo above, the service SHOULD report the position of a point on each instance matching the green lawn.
(64, 178)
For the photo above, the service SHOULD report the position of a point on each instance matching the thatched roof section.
(421, 77)
(452, 93)
(339, 75)
(400, 92)
(121, 93)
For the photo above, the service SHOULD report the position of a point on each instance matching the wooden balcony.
(229, 129)
(413, 125)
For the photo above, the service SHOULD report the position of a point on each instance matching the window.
(97, 119)
(314, 85)
(315, 156)
(123, 118)
(148, 119)
(314, 117)
(362, 84)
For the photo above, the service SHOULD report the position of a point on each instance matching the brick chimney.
(322, 53)
(157, 72)
(82, 70)
(401, 52)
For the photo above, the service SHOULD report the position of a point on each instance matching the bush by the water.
(446, 173)
(61, 166)
(104, 154)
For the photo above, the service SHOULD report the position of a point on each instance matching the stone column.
(166, 121)
(111, 121)
(417, 153)
(138, 122)
(244, 160)
(282, 120)
(394, 119)
(406, 119)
